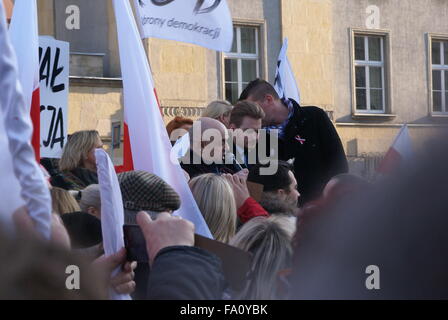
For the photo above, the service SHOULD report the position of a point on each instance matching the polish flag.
(400, 152)
(24, 35)
(150, 146)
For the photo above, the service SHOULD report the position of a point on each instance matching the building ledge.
(96, 82)
(378, 116)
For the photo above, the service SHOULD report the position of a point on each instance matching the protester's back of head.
(62, 201)
(34, 270)
(218, 110)
(270, 245)
(144, 191)
(177, 127)
(387, 242)
(342, 184)
(91, 200)
(216, 201)
(77, 149)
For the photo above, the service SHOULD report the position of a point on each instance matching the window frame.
(385, 65)
(260, 57)
(432, 37)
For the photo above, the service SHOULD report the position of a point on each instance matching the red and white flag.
(400, 152)
(22, 181)
(150, 146)
(24, 35)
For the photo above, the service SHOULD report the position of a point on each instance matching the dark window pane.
(248, 44)
(235, 40)
(446, 80)
(374, 49)
(445, 49)
(231, 70)
(359, 48)
(436, 80)
(376, 80)
(437, 101)
(249, 70)
(376, 99)
(436, 52)
(232, 92)
(446, 101)
(361, 101)
(360, 77)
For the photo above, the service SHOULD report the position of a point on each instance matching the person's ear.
(281, 192)
(269, 98)
(232, 126)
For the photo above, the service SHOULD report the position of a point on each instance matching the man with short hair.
(280, 194)
(245, 122)
(305, 134)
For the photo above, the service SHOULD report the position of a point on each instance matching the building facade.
(373, 65)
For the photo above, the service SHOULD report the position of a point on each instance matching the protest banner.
(207, 23)
(54, 86)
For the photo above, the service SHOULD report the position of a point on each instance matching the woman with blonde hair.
(269, 241)
(78, 163)
(219, 110)
(63, 202)
(215, 200)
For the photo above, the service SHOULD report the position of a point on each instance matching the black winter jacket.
(312, 140)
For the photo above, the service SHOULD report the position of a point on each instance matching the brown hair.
(176, 123)
(245, 109)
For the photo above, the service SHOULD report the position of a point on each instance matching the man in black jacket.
(305, 134)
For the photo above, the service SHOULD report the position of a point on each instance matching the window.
(439, 57)
(242, 64)
(369, 67)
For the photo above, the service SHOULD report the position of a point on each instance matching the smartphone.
(135, 244)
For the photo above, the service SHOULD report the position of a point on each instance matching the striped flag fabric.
(150, 146)
(25, 40)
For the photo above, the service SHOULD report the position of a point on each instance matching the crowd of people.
(310, 227)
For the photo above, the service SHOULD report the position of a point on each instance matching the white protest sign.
(207, 23)
(54, 85)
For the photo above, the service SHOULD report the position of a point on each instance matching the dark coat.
(312, 140)
(186, 273)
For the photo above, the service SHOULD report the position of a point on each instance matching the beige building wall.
(319, 51)
(407, 23)
(308, 27)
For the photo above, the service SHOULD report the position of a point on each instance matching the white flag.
(112, 213)
(15, 132)
(207, 23)
(285, 82)
(150, 145)
(25, 40)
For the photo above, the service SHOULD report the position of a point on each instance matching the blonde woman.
(269, 240)
(91, 200)
(63, 202)
(78, 163)
(215, 199)
(219, 110)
